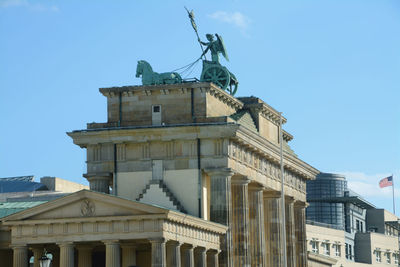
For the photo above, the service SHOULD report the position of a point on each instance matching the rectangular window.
(325, 249)
(350, 252)
(156, 115)
(387, 254)
(314, 246)
(357, 225)
(378, 256)
(396, 258)
(336, 249)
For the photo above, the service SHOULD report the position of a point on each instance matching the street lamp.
(44, 261)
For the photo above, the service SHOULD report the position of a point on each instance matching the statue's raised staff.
(213, 71)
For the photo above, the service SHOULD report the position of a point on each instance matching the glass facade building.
(324, 195)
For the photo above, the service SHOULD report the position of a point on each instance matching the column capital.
(270, 194)
(18, 246)
(111, 242)
(98, 175)
(300, 204)
(65, 244)
(256, 187)
(219, 171)
(158, 240)
(289, 199)
(240, 180)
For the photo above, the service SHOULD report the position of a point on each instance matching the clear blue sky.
(332, 67)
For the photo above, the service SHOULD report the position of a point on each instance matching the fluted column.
(300, 233)
(37, 254)
(212, 258)
(257, 229)
(20, 256)
(128, 255)
(188, 256)
(113, 253)
(174, 254)
(290, 232)
(66, 254)
(200, 257)
(158, 253)
(240, 225)
(221, 210)
(99, 182)
(274, 228)
(84, 256)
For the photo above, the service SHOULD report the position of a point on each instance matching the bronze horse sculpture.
(149, 77)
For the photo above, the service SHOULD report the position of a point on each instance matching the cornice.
(180, 88)
(263, 108)
(260, 145)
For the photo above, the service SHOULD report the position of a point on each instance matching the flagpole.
(394, 207)
(283, 208)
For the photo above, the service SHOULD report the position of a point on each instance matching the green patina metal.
(149, 77)
(212, 70)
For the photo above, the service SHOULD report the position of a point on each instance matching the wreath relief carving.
(87, 208)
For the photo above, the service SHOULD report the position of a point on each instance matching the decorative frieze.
(253, 159)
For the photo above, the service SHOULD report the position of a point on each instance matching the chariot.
(219, 75)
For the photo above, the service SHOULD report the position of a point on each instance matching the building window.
(377, 256)
(396, 258)
(314, 246)
(325, 248)
(156, 115)
(358, 225)
(387, 254)
(336, 249)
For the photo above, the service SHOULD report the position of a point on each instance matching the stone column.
(300, 233)
(37, 254)
(158, 253)
(200, 257)
(174, 254)
(84, 256)
(66, 254)
(99, 182)
(188, 256)
(128, 255)
(113, 254)
(290, 232)
(240, 225)
(20, 256)
(274, 228)
(212, 258)
(257, 229)
(221, 210)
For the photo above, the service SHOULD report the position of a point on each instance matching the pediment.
(86, 203)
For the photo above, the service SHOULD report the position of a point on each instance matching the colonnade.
(254, 217)
(163, 254)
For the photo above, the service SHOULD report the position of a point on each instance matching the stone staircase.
(162, 189)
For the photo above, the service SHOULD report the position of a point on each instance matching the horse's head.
(143, 67)
(139, 68)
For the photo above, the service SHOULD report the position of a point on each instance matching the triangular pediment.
(86, 203)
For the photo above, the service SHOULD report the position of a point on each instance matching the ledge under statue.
(212, 70)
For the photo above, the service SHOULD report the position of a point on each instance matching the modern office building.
(345, 227)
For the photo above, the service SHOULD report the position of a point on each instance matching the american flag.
(388, 181)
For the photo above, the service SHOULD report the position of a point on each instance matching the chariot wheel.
(218, 75)
(233, 85)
